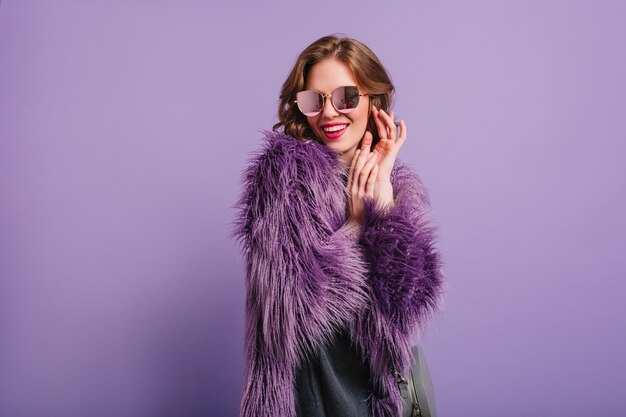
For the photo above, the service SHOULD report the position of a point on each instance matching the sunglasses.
(344, 99)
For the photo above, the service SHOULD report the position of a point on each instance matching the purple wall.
(124, 127)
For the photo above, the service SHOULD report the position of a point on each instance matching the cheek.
(359, 121)
(312, 122)
(361, 118)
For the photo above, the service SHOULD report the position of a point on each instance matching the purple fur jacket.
(309, 272)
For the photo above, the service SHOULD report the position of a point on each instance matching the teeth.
(334, 128)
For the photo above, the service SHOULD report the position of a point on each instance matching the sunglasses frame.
(344, 111)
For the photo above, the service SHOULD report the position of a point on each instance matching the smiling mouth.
(335, 128)
(334, 132)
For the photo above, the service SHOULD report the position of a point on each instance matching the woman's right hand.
(361, 179)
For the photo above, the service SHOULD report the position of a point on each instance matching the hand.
(387, 150)
(361, 179)
(390, 141)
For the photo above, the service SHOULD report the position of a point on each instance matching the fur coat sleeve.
(405, 283)
(308, 272)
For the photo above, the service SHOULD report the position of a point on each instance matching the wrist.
(384, 200)
(384, 179)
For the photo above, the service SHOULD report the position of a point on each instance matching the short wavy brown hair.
(367, 70)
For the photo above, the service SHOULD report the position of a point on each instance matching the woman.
(341, 271)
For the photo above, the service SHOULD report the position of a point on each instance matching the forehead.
(327, 75)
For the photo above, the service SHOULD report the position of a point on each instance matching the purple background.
(124, 127)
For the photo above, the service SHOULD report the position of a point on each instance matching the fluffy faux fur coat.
(308, 272)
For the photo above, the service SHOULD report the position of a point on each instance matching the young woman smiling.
(341, 268)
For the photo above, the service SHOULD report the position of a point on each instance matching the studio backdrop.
(124, 128)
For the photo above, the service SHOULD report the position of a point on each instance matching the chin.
(339, 147)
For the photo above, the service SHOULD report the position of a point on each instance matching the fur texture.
(309, 273)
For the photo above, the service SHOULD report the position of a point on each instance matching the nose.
(329, 111)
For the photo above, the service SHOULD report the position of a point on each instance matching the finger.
(361, 176)
(377, 151)
(364, 153)
(402, 132)
(389, 124)
(371, 181)
(354, 159)
(350, 173)
(365, 173)
(380, 125)
(390, 128)
(396, 123)
(360, 160)
(366, 141)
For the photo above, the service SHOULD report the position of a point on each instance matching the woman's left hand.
(387, 150)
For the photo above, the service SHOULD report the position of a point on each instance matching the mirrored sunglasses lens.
(309, 102)
(346, 99)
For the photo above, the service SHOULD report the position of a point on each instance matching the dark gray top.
(336, 382)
